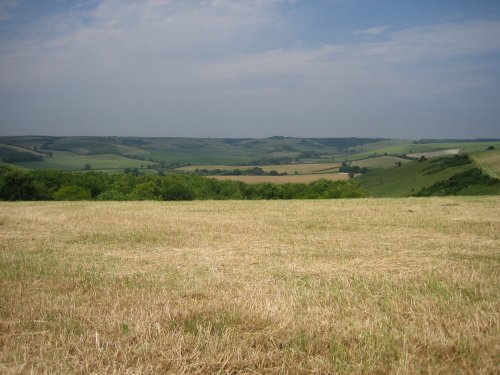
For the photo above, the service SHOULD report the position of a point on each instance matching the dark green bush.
(58, 185)
(458, 182)
(72, 193)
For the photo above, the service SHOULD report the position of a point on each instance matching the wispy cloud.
(373, 31)
(154, 61)
(427, 56)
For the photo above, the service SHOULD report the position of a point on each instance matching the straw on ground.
(348, 286)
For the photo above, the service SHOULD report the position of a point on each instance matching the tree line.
(16, 184)
(254, 171)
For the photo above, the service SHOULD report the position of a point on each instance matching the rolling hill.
(392, 169)
(412, 177)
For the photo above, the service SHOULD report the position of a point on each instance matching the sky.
(251, 68)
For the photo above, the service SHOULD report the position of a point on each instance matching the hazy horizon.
(400, 69)
(479, 139)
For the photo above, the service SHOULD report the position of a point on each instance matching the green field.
(199, 157)
(488, 161)
(14, 148)
(380, 162)
(90, 146)
(65, 160)
(400, 147)
(195, 150)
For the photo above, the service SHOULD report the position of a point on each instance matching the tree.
(146, 191)
(87, 167)
(16, 185)
(72, 193)
(172, 190)
(266, 191)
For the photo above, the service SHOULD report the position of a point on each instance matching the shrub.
(16, 185)
(112, 195)
(72, 193)
(458, 182)
(172, 190)
(146, 191)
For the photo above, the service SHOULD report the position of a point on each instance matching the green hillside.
(470, 182)
(91, 146)
(380, 162)
(65, 160)
(403, 147)
(409, 178)
(488, 161)
(199, 150)
(4, 148)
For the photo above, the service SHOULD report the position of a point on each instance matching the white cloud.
(220, 40)
(157, 60)
(411, 61)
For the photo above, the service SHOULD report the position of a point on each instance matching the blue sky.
(251, 68)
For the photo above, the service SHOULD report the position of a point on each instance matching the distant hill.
(187, 150)
(388, 166)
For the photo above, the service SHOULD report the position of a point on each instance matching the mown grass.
(346, 286)
(488, 161)
(297, 179)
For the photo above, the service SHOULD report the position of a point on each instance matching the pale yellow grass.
(433, 154)
(300, 179)
(303, 168)
(398, 286)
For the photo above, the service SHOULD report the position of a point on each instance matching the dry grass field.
(433, 154)
(302, 168)
(299, 179)
(372, 286)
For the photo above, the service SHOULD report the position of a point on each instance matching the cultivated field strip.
(287, 179)
(251, 287)
(300, 168)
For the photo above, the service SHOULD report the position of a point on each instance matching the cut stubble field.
(299, 168)
(286, 179)
(332, 286)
